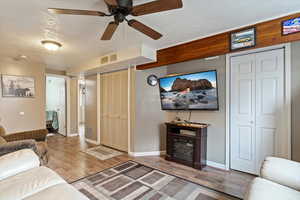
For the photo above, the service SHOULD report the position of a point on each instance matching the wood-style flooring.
(67, 160)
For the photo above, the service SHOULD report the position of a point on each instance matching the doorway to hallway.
(56, 105)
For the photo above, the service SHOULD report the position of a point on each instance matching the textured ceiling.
(24, 23)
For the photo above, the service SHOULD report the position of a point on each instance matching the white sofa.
(279, 180)
(22, 178)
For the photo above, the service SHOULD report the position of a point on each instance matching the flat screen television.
(196, 91)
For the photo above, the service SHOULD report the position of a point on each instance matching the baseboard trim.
(150, 153)
(216, 165)
(73, 135)
(91, 141)
(161, 153)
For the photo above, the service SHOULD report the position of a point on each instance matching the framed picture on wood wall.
(18, 86)
(243, 39)
(291, 26)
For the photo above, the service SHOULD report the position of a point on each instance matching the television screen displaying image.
(197, 91)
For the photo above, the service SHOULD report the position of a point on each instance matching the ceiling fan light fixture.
(120, 9)
(51, 45)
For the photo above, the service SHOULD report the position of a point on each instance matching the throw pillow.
(2, 131)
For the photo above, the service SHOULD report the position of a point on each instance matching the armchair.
(37, 135)
(35, 140)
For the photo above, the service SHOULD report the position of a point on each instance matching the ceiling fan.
(120, 9)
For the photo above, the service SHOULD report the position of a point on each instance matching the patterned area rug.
(102, 152)
(133, 181)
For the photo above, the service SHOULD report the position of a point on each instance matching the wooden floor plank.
(68, 160)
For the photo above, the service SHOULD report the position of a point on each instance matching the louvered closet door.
(104, 110)
(123, 139)
(114, 110)
(257, 103)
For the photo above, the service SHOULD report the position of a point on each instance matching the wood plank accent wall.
(268, 34)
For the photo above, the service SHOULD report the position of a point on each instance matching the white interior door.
(243, 113)
(269, 104)
(56, 100)
(257, 101)
(61, 108)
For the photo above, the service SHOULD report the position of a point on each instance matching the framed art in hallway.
(18, 86)
(243, 39)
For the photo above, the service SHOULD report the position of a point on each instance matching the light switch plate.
(22, 113)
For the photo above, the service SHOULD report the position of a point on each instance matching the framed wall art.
(18, 86)
(243, 39)
(291, 26)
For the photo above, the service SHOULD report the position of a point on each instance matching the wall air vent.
(115, 61)
(104, 60)
(113, 58)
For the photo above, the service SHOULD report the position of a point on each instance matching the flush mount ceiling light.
(51, 45)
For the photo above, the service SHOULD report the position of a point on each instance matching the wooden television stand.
(187, 144)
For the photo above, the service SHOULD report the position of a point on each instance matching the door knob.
(251, 122)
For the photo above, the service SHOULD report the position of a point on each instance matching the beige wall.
(150, 129)
(216, 132)
(149, 134)
(34, 108)
(91, 107)
(296, 101)
(57, 72)
(132, 102)
(74, 105)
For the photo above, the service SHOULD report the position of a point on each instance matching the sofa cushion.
(17, 162)
(261, 189)
(62, 191)
(2, 140)
(28, 183)
(282, 171)
(10, 147)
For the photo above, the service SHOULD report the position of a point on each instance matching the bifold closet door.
(257, 106)
(242, 126)
(114, 110)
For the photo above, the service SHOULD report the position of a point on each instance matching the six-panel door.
(256, 107)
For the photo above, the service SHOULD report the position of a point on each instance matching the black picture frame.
(241, 31)
(191, 109)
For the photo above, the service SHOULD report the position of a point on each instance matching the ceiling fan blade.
(112, 2)
(156, 6)
(75, 12)
(109, 31)
(144, 29)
